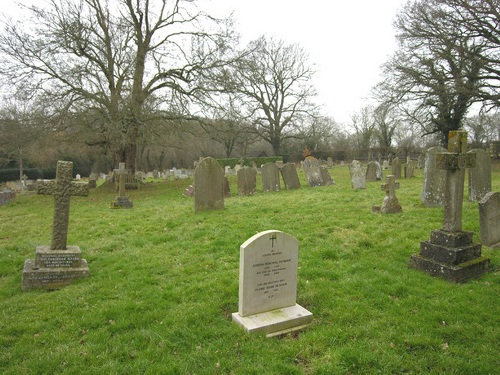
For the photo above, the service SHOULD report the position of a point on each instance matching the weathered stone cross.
(121, 182)
(390, 185)
(62, 188)
(455, 162)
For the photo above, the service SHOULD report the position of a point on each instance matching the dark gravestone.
(480, 176)
(7, 196)
(290, 176)
(396, 168)
(326, 177)
(227, 188)
(58, 265)
(270, 177)
(247, 181)
(371, 171)
(121, 201)
(313, 171)
(450, 253)
(208, 185)
(434, 179)
(489, 219)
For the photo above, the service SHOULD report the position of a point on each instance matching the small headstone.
(313, 172)
(396, 168)
(290, 176)
(434, 179)
(227, 188)
(357, 175)
(58, 265)
(410, 169)
(385, 164)
(268, 285)
(329, 162)
(270, 177)
(450, 253)
(7, 196)
(480, 176)
(121, 201)
(78, 177)
(326, 177)
(156, 174)
(390, 203)
(209, 186)
(489, 219)
(372, 172)
(247, 181)
(189, 191)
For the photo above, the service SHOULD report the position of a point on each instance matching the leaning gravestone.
(489, 219)
(290, 176)
(434, 179)
(450, 253)
(313, 171)
(270, 177)
(396, 167)
(480, 176)
(247, 181)
(326, 177)
(268, 285)
(209, 186)
(357, 175)
(58, 265)
(371, 171)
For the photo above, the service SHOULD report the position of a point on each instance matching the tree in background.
(271, 82)
(114, 61)
(438, 71)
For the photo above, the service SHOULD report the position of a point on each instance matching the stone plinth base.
(121, 202)
(276, 322)
(450, 255)
(54, 269)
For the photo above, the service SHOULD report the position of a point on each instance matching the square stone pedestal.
(54, 269)
(276, 322)
(121, 202)
(451, 256)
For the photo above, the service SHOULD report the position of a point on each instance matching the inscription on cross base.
(455, 162)
(62, 188)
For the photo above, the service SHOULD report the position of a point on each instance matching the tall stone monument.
(268, 285)
(450, 253)
(121, 201)
(58, 265)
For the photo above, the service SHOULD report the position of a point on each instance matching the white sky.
(347, 40)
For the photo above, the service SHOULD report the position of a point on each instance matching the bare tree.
(114, 58)
(272, 82)
(436, 73)
(364, 125)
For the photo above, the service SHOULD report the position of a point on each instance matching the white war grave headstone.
(268, 285)
(58, 265)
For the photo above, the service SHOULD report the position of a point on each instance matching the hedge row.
(32, 174)
(232, 162)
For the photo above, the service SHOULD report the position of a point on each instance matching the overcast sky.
(347, 40)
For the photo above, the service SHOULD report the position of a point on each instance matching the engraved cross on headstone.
(390, 186)
(455, 162)
(62, 188)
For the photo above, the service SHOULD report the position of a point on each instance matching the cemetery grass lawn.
(164, 282)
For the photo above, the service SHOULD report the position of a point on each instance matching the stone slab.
(451, 239)
(458, 274)
(489, 219)
(450, 255)
(276, 322)
(121, 202)
(47, 258)
(51, 278)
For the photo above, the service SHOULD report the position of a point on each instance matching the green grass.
(164, 282)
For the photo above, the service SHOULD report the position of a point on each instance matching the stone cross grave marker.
(121, 201)
(489, 219)
(450, 253)
(268, 285)
(390, 203)
(59, 264)
(209, 185)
